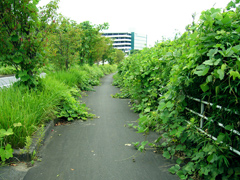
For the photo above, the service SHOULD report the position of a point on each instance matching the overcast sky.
(155, 18)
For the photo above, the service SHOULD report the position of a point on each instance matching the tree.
(118, 56)
(103, 49)
(64, 42)
(134, 51)
(89, 41)
(23, 32)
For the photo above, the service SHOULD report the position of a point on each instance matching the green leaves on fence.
(203, 63)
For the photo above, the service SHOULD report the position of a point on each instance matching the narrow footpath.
(99, 149)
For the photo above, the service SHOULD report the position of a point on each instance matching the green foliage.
(6, 150)
(31, 38)
(117, 56)
(24, 109)
(71, 109)
(8, 70)
(202, 63)
(90, 40)
(23, 34)
(64, 42)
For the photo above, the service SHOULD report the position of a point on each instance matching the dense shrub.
(202, 63)
(23, 110)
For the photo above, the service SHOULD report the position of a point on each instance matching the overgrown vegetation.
(203, 63)
(35, 40)
(7, 70)
(32, 38)
(25, 110)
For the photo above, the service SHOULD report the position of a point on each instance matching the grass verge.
(23, 111)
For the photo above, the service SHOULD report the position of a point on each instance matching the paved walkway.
(96, 149)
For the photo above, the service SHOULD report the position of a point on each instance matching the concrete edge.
(22, 154)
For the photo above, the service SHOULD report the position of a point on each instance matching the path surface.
(96, 149)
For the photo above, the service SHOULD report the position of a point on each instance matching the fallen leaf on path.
(72, 169)
(127, 144)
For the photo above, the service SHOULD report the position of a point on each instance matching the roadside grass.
(7, 70)
(28, 108)
(24, 110)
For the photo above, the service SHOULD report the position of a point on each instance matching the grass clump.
(8, 70)
(25, 110)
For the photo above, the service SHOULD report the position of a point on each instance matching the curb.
(8, 75)
(26, 156)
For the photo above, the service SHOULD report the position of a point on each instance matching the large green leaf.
(212, 52)
(3, 132)
(238, 29)
(234, 74)
(202, 70)
(221, 137)
(181, 175)
(166, 154)
(204, 87)
(221, 74)
(174, 169)
(226, 20)
(236, 49)
(17, 59)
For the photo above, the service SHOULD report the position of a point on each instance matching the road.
(100, 149)
(7, 81)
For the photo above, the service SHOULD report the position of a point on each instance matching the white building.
(127, 41)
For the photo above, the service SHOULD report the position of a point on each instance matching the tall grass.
(84, 76)
(32, 108)
(28, 107)
(7, 70)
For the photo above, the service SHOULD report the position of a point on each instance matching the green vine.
(203, 63)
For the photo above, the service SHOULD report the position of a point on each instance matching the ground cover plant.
(35, 40)
(202, 63)
(24, 110)
(7, 70)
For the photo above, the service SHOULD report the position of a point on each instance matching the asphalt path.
(100, 149)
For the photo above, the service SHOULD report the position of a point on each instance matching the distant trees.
(91, 42)
(31, 37)
(118, 56)
(64, 43)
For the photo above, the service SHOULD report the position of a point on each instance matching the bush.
(203, 63)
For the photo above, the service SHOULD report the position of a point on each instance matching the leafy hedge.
(203, 63)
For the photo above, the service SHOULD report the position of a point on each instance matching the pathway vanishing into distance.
(98, 149)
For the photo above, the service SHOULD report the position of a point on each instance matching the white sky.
(155, 18)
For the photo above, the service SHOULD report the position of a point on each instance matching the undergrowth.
(202, 63)
(24, 110)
